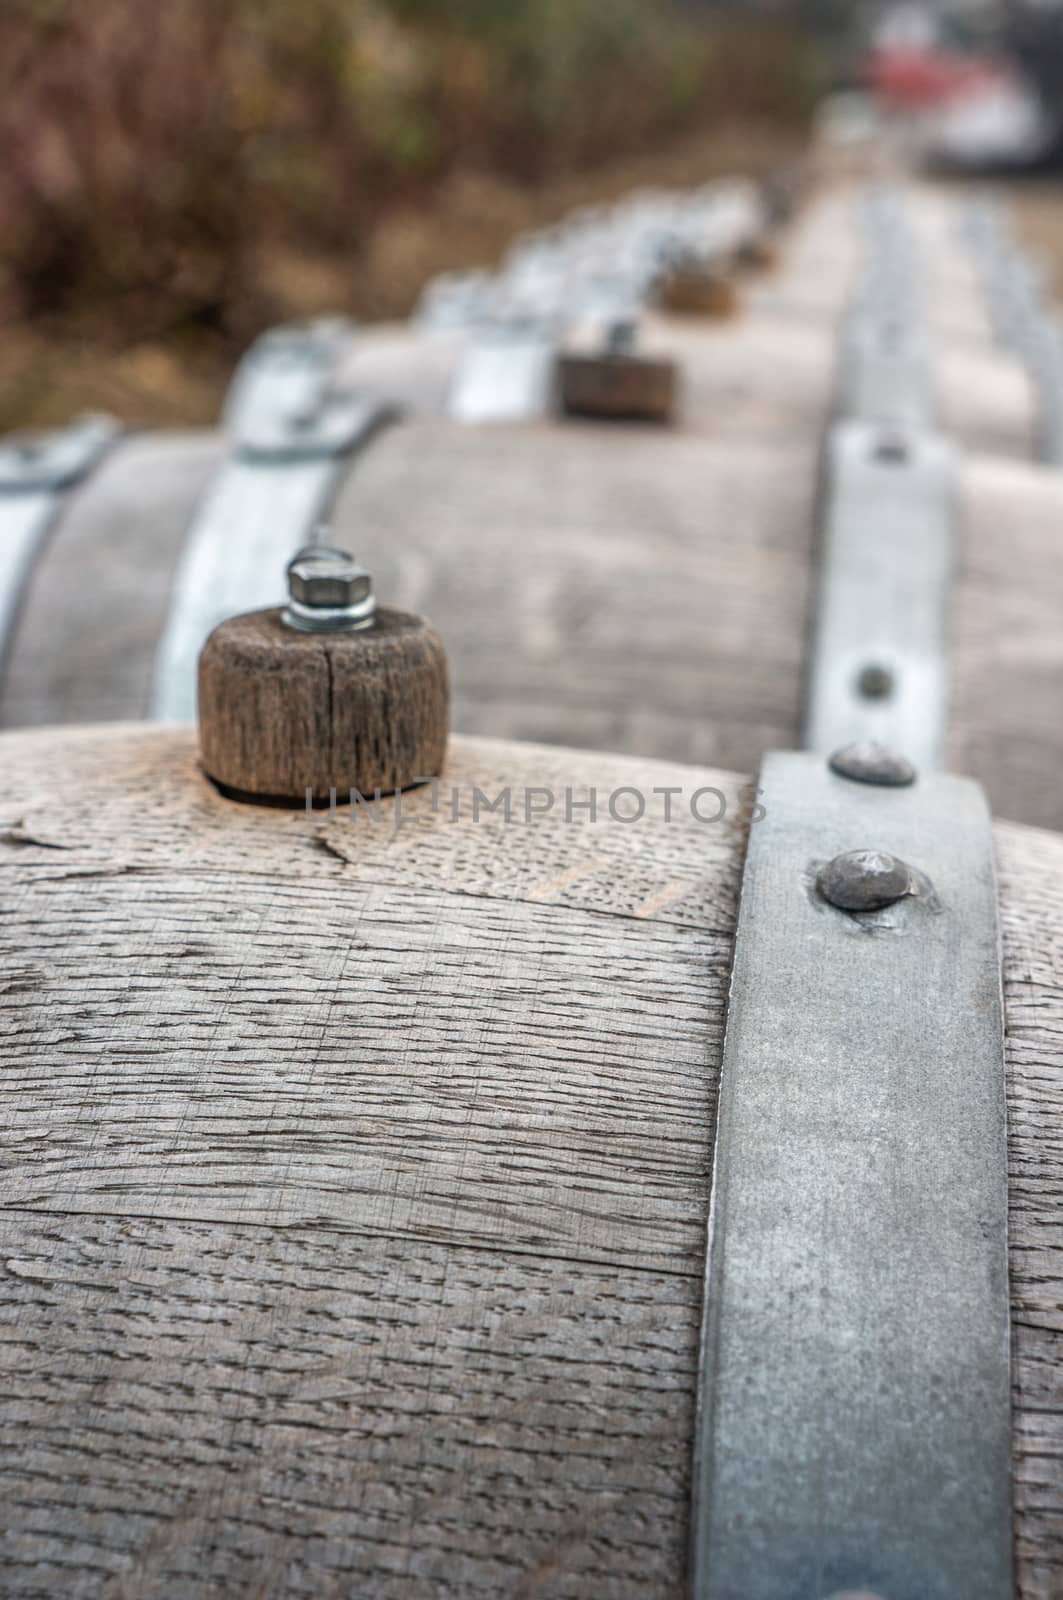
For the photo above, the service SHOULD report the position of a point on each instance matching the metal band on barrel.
(885, 372)
(35, 475)
(853, 1435)
(507, 374)
(291, 436)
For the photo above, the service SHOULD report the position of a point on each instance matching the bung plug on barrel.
(618, 380)
(326, 694)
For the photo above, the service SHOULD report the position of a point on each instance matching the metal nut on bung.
(329, 591)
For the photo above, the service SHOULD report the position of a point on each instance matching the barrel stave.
(214, 1409)
(1006, 651)
(653, 601)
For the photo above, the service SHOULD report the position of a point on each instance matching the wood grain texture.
(255, 1412)
(985, 402)
(638, 591)
(487, 1121)
(282, 712)
(1006, 716)
(355, 1181)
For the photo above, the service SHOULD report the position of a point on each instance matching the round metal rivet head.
(864, 880)
(328, 592)
(875, 682)
(892, 449)
(867, 761)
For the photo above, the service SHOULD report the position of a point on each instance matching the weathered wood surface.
(1006, 716)
(984, 402)
(355, 1181)
(645, 594)
(386, 1280)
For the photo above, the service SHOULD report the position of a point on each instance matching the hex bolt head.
(329, 592)
(864, 880)
(867, 761)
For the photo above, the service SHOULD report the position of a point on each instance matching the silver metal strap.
(880, 650)
(1043, 356)
(507, 375)
(885, 376)
(35, 474)
(853, 1436)
(885, 371)
(285, 375)
(291, 437)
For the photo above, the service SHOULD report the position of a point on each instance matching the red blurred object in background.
(908, 77)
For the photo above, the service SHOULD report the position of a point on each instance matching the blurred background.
(175, 179)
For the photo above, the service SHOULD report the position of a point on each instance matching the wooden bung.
(700, 292)
(617, 382)
(328, 694)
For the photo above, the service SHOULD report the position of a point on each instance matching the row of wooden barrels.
(358, 1166)
(543, 552)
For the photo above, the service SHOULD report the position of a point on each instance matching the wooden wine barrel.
(355, 1190)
